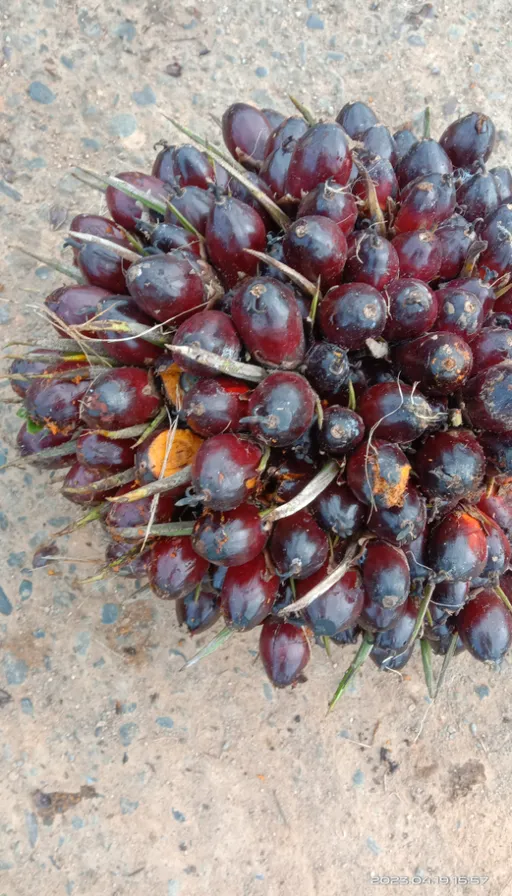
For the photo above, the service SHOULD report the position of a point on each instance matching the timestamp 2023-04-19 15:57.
(419, 879)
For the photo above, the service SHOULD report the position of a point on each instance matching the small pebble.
(67, 61)
(178, 816)
(165, 722)
(16, 560)
(82, 643)
(123, 125)
(41, 93)
(267, 690)
(127, 732)
(109, 614)
(126, 31)
(91, 143)
(25, 589)
(27, 706)
(128, 806)
(5, 604)
(482, 691)
(315, 22)
(15, 670)
(261, 71)
(358, 778)
(32, 828)
(415, 40)
(371, 844)
(9, 191)
(144, 97)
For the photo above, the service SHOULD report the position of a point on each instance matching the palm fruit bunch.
(282, 382)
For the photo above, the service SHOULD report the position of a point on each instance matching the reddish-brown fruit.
(284, 651)
(174, 569)
(120, 398)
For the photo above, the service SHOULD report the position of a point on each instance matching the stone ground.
(182, 784)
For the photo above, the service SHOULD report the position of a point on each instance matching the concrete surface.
(209, 782)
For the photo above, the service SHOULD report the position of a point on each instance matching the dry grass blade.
(157, 205)
(122, 251)
(353, 553)
(307, 286)
(185, 223)
(308, 494)
(223, 365)
(374, 208)
(150, 428)
(64, 450)
(114, 481)
(306, 113)
(268, 204)
(216, 642)
(156, 497)
(182, 477)
(159, 530)
(68, 270)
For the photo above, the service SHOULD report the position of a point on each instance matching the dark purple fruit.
(79, 476)
(284, 651)
(350, 314)
(321, 153)
(119, 398)
(469, 139)
(225, 471)
(424, 157)
(396, 412)
(267, 316)
(246, 131)
(137, 514)
(127, 211)
(166, 287)
(232, 228)
(56, 403)
(327, 368)
(391, 649)
(30, 443)
(412, 309)
(450, 464)
(459, 312)
(419, 254)
(355, 118)
(378, 473)
(248, 594)
(215, 406)
(488, 399)
(371, 259)
(340, 432)
(298, 546)
(281, 409)
(457, 548)
(402, 524)
(97, 452)
(441, 362)
(212, 331)
(386, 576)
(333, 201)
(198, 612)
(173, 567)
(336, 609)
(232, 538)
(485, 627)
(338, 511)
(316, 247)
